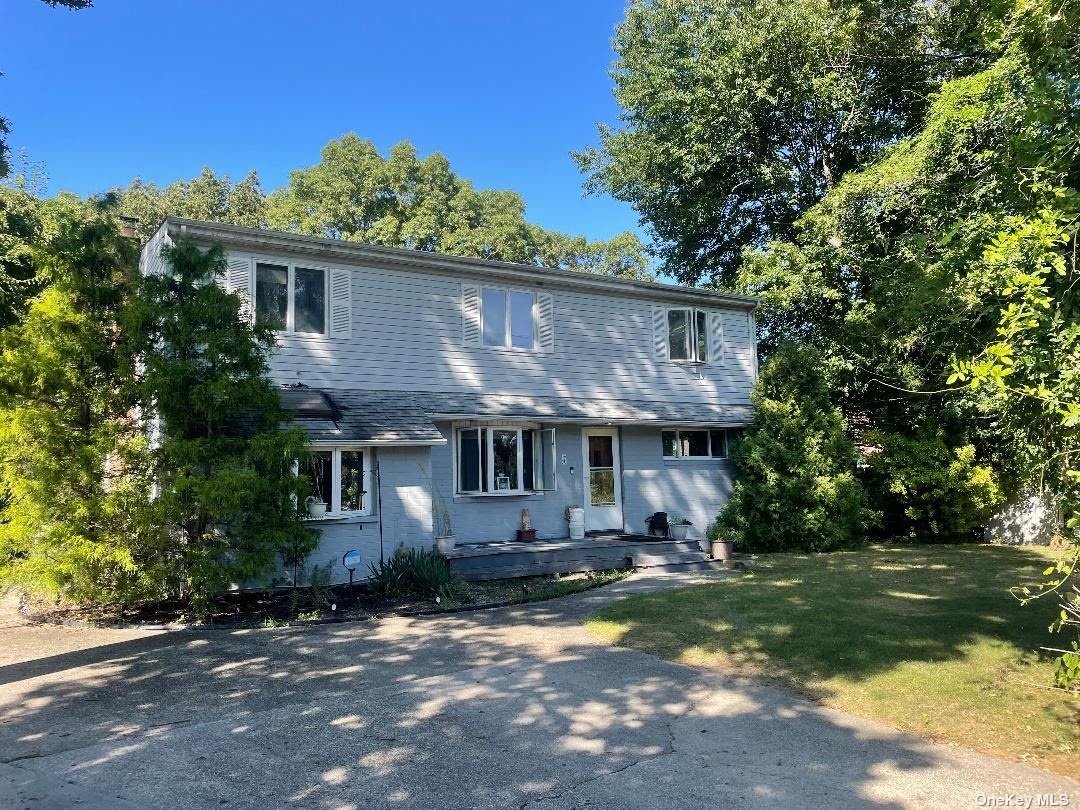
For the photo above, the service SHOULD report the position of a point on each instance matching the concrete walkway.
(517, 707)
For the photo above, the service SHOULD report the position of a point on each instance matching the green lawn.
(923, 638)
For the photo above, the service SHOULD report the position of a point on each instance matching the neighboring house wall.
(690, 488)
(1031, 520)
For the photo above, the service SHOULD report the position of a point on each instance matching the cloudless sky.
(158, 88)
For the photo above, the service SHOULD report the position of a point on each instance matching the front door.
(603, 480)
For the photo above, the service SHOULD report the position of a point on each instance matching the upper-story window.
(688, 335)
(291, 298)
(509, 318)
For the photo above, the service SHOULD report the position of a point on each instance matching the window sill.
(476, 496)
(515, 349)
(692, 459)
(329, 519)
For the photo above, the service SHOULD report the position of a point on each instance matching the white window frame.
(507, 344)
(488, 451)
(290, 294)
(692, 329)
(333, 509)
(688, 429)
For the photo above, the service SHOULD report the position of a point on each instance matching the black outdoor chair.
(658, 524)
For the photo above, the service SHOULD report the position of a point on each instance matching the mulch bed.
(306, 605)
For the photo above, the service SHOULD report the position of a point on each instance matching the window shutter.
(716, 337)
(238, 280)
(340, 303)
(470, 314)
(660, 332)
(545, 322)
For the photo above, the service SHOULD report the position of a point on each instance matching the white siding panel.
(414, 330)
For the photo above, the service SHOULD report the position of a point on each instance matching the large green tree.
(406, 201)
(208, 197)
(739, 115)
(71, 461)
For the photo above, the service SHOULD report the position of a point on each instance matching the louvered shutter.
(340, 303)
(545, 322)
(238, 280)
(470, 314)
(717, 352)
(660, 332)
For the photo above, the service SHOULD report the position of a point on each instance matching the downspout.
(378, 496)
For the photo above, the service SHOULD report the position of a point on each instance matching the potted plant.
(316, 506)
(440, 518)
(575, 517)
(679, 526)
(721, 545)
(526, 534)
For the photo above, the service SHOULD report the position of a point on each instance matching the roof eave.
(257, 238)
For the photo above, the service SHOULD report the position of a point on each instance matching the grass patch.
(925, 638)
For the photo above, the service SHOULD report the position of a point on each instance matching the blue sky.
(156, 89)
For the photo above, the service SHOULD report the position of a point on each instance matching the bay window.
(341, 478)
(291, 298)
(501, 460)
(688, 335)
(694, 443)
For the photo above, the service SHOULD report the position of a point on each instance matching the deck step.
(652, 560)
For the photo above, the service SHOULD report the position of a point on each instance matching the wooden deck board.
(505, 560)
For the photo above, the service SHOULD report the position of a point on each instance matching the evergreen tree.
(71, 463)
(223, 466)
(795, 484)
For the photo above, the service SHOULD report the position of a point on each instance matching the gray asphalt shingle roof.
(406, 416)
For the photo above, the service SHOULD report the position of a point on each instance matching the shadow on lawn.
(803, 620)
(500, 708)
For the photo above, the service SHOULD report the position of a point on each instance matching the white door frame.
(602, 517)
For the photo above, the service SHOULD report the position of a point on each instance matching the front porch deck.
(597, 552)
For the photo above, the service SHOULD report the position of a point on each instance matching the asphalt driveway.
(517, 707)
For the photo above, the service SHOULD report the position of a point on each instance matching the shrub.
(919, 488)
(795, 484)
(418, 571)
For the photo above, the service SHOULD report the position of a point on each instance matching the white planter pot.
(445, 544)
(576, 524)
(678, 532)
(316, 509)
(723, 550)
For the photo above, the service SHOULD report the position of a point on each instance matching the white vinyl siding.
(420, 331)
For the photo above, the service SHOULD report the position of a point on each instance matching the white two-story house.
(490, 387)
